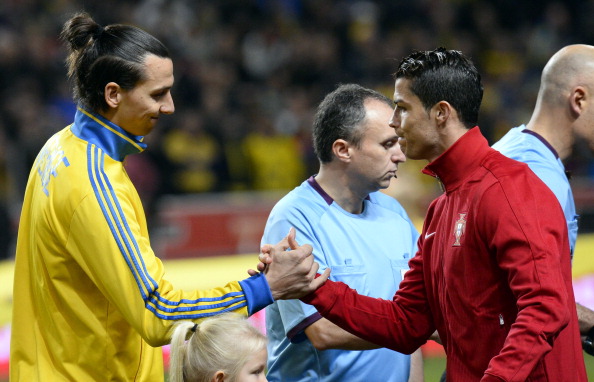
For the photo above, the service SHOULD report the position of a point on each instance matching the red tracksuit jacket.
(492, 275)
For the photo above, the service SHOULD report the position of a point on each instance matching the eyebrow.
(163, 88)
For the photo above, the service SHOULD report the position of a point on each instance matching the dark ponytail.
(99, 55)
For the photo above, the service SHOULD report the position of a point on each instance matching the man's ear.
(442, 112)
(113, 94)
(219, 376)
(340, 148)
(578, 100)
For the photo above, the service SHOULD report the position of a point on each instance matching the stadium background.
(249, 74)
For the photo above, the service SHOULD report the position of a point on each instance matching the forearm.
(585, 318)
(416, 367)
(325, 335)
(375, 320)
(586, 324)
(435, 337)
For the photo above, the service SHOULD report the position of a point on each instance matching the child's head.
(222, 348)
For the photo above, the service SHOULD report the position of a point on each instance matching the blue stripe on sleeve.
(224, 304)
(138, 261)
(194, 316)
(91, 159)
(125, 247)
(139, 264)
(129, 248)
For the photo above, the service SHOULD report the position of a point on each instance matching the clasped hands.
(290, 268)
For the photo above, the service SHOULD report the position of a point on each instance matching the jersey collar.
(544, 141)
(115, 141)
(460, 160)
(316, 186)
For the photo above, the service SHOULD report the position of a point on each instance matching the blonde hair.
(223, 342)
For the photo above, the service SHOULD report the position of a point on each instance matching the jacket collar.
(115, 141)
(460, 160)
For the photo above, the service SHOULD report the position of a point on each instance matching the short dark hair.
(100, 55)
(339, 116)
(444, 75)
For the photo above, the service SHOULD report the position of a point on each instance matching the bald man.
(564, 110)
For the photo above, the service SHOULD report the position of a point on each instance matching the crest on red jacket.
(459, 229)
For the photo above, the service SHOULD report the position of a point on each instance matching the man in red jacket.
(492, 273)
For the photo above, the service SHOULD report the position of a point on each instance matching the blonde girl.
(223, 348)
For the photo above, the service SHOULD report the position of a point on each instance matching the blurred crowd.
(249, 74)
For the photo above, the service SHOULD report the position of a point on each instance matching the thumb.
(291, 239)
(320, 280)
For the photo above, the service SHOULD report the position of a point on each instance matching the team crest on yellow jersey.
(459, 228)
(50, 157)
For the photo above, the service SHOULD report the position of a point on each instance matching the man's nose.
(398, 155)
(168, 107)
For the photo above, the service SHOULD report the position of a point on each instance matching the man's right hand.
(291, 273)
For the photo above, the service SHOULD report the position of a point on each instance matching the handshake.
(290, 268)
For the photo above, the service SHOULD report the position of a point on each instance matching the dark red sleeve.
(402, 324)
(527, 233)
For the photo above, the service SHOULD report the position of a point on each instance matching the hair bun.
(98, 31)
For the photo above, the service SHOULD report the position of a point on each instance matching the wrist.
(588, 342)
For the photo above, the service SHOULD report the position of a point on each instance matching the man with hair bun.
(90, 299)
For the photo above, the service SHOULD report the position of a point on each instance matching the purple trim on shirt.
(544, 141)
(312, 182)
(297, 334)
(316, 186)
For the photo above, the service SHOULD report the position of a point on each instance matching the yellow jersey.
(90, 300)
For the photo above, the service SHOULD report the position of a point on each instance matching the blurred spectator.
(193, 153)
(273, 159)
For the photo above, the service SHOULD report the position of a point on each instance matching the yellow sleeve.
(109, 239)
